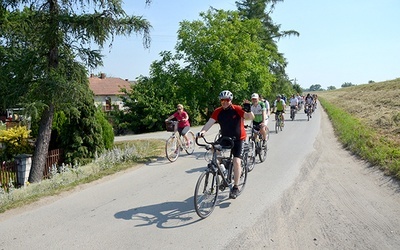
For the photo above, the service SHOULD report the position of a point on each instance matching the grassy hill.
(366, 119)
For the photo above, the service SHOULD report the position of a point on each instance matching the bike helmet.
(226, 94)
(278, 96)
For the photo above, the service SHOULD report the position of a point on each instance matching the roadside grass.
(366, 119)
(125, 155)
(364, 141)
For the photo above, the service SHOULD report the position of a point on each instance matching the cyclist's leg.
(266, 129)
(237, 152)
(183, 132)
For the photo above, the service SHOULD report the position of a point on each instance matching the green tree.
(269, 35)
(223, 52)
(315, 87)
(347, 84)
(59, 32)
(331, 88)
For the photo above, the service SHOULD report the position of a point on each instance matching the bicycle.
(308, 110)
(214, 179)
(176, 143)
(278, 121)
(293, 111)
(256, 146)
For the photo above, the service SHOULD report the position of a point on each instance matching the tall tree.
(271, 33)
(63, 30)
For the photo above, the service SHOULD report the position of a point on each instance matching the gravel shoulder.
(337, 202)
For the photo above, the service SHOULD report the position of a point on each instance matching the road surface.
(308, 194)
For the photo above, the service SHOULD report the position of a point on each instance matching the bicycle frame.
(214, 166)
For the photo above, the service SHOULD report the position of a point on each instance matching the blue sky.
(340, 40)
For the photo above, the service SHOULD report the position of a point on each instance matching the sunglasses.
(224, 100)
(179, 109)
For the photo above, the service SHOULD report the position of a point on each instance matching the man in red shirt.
(231, 119)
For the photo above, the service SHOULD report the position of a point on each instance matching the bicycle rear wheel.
(172, 149)
(190, 149)
(205, 194)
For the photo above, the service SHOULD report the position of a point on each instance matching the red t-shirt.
(231, 121)
(179, 117)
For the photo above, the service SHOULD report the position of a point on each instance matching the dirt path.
(337, 202)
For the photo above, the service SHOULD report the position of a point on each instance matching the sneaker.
(234, 192)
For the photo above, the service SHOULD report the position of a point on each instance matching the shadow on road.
(171, 214)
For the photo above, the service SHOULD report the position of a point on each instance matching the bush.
(16, 141)
(107, 130)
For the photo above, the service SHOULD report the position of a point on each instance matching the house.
(107, 91)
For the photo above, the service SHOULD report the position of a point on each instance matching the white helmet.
(254, 96)
(226, 94)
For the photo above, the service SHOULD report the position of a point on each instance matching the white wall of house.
(115, 101)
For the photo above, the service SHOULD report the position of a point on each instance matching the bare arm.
(249, 116)
(207, 126)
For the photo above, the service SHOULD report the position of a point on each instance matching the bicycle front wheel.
(263, 152)
(205, 194)
(251, 156)
(189, 147)
(208, 155)
(277, 122)
(243, 178)
(172, 149)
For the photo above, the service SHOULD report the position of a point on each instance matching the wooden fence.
(8, 175)
(9, 171)
(54, 156)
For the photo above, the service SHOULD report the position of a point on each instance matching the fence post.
(24, 163)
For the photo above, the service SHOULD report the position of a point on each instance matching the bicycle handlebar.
(218, 142)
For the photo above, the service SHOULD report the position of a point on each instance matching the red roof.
(103, 86)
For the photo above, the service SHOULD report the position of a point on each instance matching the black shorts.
(236, 150)
(256, 125)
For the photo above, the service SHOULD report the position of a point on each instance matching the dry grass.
(376, 104)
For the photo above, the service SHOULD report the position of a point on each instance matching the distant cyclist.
(279, 107)
(294, 103)
(260, 115)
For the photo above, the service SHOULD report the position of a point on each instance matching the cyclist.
(231, 120)
(294, 103)
(260, 116)
(183, 122)
(268, 111)
(309, 104)
(279, 107)
(301, 100)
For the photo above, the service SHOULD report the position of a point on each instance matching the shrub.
(107, 130)
(16, 141)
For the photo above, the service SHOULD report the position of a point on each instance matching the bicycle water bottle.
(223, 169)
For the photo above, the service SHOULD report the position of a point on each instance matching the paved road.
(151, 207)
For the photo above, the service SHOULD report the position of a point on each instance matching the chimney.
(102, 75)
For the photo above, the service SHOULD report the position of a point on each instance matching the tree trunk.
(42, 145)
